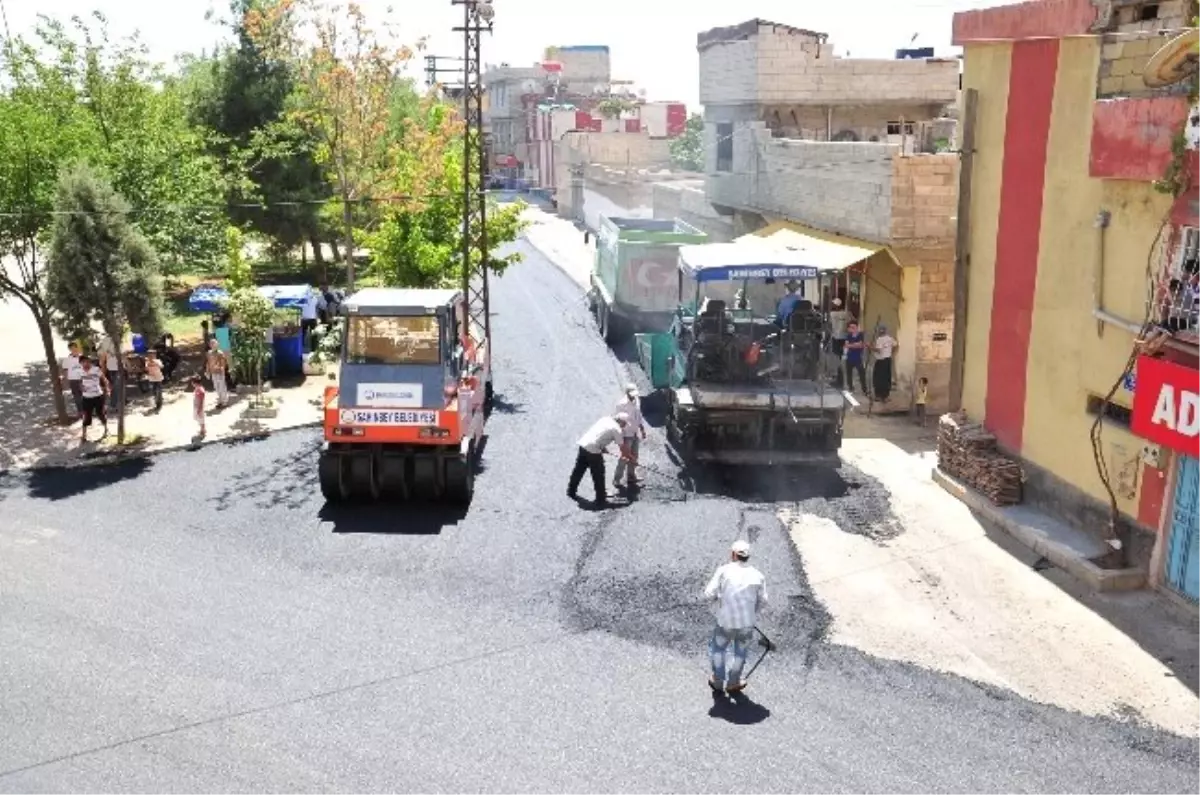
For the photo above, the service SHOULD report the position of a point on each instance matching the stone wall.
(686, 201)
(1123, 56)
(838, 187)
(776, 63)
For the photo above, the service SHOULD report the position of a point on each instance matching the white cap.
(621, 417)
(741, 548)
(837, 302)
(631, 389)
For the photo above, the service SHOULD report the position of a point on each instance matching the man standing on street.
(630, 406)
(740, 593)
(590, 458)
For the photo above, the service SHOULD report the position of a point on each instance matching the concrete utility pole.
(962, 253)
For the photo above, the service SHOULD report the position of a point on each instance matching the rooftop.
(394, 298)
(744, 30)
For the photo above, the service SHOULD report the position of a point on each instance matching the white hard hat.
(837, 302)
(621, 417)
(741, 548)
(631, 389)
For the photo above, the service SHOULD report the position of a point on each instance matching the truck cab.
(407, 415)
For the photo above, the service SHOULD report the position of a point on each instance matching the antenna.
(1174, 62)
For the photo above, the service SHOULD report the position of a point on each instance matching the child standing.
(198, 404)
(921, 398)
(154, 376)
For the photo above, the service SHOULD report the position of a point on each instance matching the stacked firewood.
(967, 452)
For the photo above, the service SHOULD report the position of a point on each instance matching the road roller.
(405, 417)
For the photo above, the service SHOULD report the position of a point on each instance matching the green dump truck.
(635, 278)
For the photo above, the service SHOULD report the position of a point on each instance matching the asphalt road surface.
(202, 622)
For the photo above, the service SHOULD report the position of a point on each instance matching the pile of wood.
(967, 452)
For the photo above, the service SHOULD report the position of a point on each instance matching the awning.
(743, 259)
(210, 298)
(823, 250)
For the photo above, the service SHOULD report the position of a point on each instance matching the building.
(1081, 231)
(849, 151)
(576, 77)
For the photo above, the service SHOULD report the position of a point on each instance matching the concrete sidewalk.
(148, 432)
(562, 243)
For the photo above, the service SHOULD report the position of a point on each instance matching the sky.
(653, 42)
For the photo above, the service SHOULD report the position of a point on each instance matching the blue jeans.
(736, 641)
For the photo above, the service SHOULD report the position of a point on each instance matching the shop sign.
(1166, 405)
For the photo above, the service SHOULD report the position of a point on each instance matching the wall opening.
(724, 146)
(1114, 413)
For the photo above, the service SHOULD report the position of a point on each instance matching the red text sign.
(1166, 405)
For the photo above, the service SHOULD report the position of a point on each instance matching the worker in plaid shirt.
(740, 591)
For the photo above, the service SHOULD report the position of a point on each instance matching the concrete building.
(1083, 230)
(578, 77)
(846, 150)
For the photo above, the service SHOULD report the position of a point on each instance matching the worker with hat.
(590, 457)
(631, 406)
(787, 304)
(739, 592)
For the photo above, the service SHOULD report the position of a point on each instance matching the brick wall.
(839, 187)
(1123, 64)
(782, 65)
(924, 200)
(687, 202)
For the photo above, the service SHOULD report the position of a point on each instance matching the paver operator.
(590, 458)
(740, 593)
(631, 406)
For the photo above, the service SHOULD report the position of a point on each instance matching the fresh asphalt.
(201, 621)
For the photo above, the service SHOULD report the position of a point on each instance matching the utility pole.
(433, 68)
(477, 20)
(962, 248)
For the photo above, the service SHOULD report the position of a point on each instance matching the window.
(1148, 12)
(393, 340)
(1114, 413)
(894, 127)
(724, 147)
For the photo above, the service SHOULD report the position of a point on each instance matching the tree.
(254, 315)
(687, 151)
(420, 244)
(239, 272)
(614, 107)
(241, 94)
(100, 267)
(346, 75)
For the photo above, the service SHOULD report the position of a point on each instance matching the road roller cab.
(406, 416)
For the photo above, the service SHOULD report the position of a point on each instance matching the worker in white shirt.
(740, 593)
(308, 318)
(590, 458)
(72, 373)
(631, 406)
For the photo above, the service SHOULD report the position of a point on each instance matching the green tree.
(239, 272)
(346, 72)
(421, 245)
(100, 267)
(687, 151)
(241, 94)
(254, 315)
(133, 127)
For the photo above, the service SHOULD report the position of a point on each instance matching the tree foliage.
(346, 74)
(419, 243)
(687, 151)
(239, 271)
(254, 315)
(100, 267)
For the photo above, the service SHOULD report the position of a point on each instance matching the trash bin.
(138, 342)
(289, 354)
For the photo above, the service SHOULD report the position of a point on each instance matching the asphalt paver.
(202, 621)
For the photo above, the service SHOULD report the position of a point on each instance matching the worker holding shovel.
(740, 593)
(631, 406)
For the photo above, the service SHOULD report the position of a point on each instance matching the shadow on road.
(501, 405)
(738, 709)
(29, 433)
(59, 483)
(416, 519)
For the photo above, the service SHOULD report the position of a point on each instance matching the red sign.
(1166, 405)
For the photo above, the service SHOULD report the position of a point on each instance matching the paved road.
(202, 622)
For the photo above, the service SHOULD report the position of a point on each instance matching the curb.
(1063, 557)
(119, 457)
(561, 268)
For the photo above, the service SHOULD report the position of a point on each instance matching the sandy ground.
(946, 595)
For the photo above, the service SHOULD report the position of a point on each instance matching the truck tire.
(329, 473)
(461, 479)
(604, 313)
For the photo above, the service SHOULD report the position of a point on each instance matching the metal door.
(1183, 558)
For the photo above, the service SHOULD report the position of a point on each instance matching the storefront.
(1166, 413)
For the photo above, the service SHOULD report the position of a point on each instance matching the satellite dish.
(642, 92)
(1174, 62)
(600, 88)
